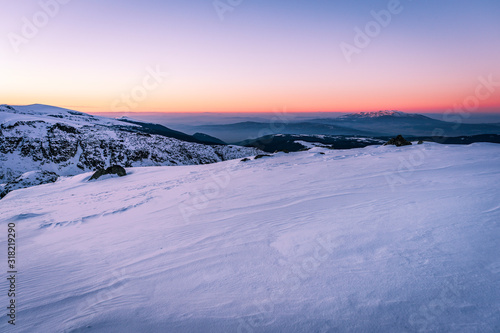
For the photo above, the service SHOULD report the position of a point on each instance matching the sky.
(251, 55)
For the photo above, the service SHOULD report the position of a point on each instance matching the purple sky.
(256, 56)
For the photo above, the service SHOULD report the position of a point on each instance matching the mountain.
(378, 239)
(391, 123)
(51, 115)
(378, 114)
(151, 128)
(66, 142)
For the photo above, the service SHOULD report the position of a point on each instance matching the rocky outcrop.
(28, 179)
(398, 142)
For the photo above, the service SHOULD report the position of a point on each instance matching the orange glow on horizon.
(298, 108)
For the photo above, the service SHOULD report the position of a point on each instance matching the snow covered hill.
(10, 115)
(378, 239)
(66, 142)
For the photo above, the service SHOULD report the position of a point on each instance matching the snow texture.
(379, 239)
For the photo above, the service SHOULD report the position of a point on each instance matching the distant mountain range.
(390, 123)
(235, 133)
(383, 124)
(369, 124)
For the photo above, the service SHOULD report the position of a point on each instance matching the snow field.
(300, 242)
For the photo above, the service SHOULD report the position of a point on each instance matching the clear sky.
(253, 55)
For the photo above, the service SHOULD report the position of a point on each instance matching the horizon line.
(439, 110)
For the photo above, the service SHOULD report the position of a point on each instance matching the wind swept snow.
(379, 239)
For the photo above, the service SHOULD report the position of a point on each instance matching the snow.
(379, 239)
(308, 144)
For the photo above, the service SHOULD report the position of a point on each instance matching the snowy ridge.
(377, 114)
(9, 115)
(344, 241)
(67, 143)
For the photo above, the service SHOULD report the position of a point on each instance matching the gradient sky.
(264, 55)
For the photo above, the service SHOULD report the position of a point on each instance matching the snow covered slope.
(39, 137)
(9, 115)
(379, 239)
(28, 179)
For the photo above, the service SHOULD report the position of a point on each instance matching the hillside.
(67, 142)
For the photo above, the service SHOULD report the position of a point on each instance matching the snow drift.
(379, 239)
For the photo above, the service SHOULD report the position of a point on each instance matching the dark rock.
(98, 174)
(420, 142)
(261, 156)
(245, 160)
(398, 142)
(64, 128)
(112, 170)
(116, 170)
